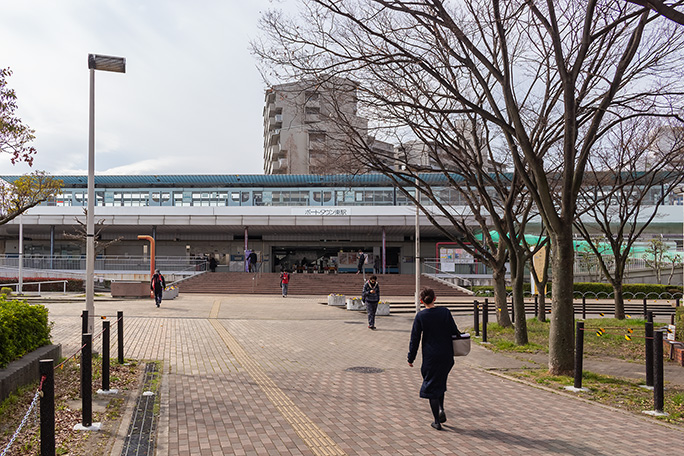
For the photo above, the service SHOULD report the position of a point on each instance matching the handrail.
(451, 275)
(64, 282)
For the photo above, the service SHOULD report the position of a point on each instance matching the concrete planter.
(26, 369)
(337, 300)
(130, 289)
(383, 309)
(170, 293)
(355, 304)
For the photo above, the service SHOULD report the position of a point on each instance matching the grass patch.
(621, 393)
(611, 341)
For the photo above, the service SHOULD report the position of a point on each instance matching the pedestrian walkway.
(262, 375)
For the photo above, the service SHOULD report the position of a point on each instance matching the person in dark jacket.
(371, 296)
(157, 284)
(436, 326)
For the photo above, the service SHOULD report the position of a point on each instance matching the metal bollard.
(47, 408)
(645, 310)
(536, 305)
(84, 322)
(658, 397)
(476, 317)
(648, 335)
(512, 311)
(579, 353)
(87, 380)
(485, 319)
(584, 307)
(120, 335)
(105, 356)
(677, 302)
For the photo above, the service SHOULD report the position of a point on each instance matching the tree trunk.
(561, 332)
(517, 277)
(502, 316)
(619, 300)
(541, 300)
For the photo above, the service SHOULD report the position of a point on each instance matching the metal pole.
(648, 336)
(658, 397)
(87, 380)
(105, 356)
(579, 353)
(47, 408)
(645, 310)
(476, 317)
(417, 258)
(584, 307)
(20, 286)
(536, 306)
(120, 335)
(384, 251)
(90, 216)
(84, 322)
(485, 319)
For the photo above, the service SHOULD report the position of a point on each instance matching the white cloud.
(190, 101)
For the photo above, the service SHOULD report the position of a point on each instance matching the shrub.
(23, 328)
(679, 322)
(5, 291)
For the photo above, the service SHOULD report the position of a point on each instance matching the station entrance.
(331, 260)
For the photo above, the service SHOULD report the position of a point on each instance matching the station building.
(311, 223)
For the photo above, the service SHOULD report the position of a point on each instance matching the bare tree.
(631, 174)
(81, 234)
(547, 76)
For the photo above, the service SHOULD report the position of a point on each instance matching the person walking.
(376, 264)
(435, 326)
(284, 282)
(157, 285)
(371, 296)
(361, 259)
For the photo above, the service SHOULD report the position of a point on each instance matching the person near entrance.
(212, 264)
(436, 326)
(376, 264)
(284, 281)
(252, 261)
(361, 258)
(157, 285)
(371, 296)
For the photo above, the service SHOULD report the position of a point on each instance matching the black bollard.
(584, 307)
(649, 316)
(120, 335)
(677, 302)
(648, 335)
(579, 353)
(485, 319)
(658, 397)
(476, 317)
(105, 356)
(87, 380)
(645, 310)
(47, 408)
(84, 322)
(536, 305)
(512, 311)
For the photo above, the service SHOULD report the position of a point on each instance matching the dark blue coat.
(435, 326)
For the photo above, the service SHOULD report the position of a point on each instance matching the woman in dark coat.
(436, 326)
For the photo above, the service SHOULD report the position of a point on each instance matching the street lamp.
(116, 65)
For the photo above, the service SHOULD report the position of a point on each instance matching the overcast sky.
(190, 102)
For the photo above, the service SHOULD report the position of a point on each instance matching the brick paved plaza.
(264, 375)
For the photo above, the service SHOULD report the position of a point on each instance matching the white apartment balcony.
(279, 167)
(274, 137)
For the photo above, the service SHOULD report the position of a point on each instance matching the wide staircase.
(308, 284)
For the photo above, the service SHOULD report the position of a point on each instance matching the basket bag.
(462, 345)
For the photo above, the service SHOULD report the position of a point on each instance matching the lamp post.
(116, 65)
(417, 259)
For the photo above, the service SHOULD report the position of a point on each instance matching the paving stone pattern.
(267, 376)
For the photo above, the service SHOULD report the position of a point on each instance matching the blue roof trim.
(236, 180)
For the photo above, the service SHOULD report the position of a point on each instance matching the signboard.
(671, 332)
(450, 257)
(322, 211)
(539, 264)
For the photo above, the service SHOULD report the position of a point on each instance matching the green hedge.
(603, 289)
(23, 328)
(679, 322)
(75, 285)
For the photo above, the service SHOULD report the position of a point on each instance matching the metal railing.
(105, 263)
(431, 267)
(31, 284)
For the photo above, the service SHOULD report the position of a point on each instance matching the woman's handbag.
(462, 345)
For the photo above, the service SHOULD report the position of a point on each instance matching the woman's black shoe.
(436, 426)
(442, 416)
